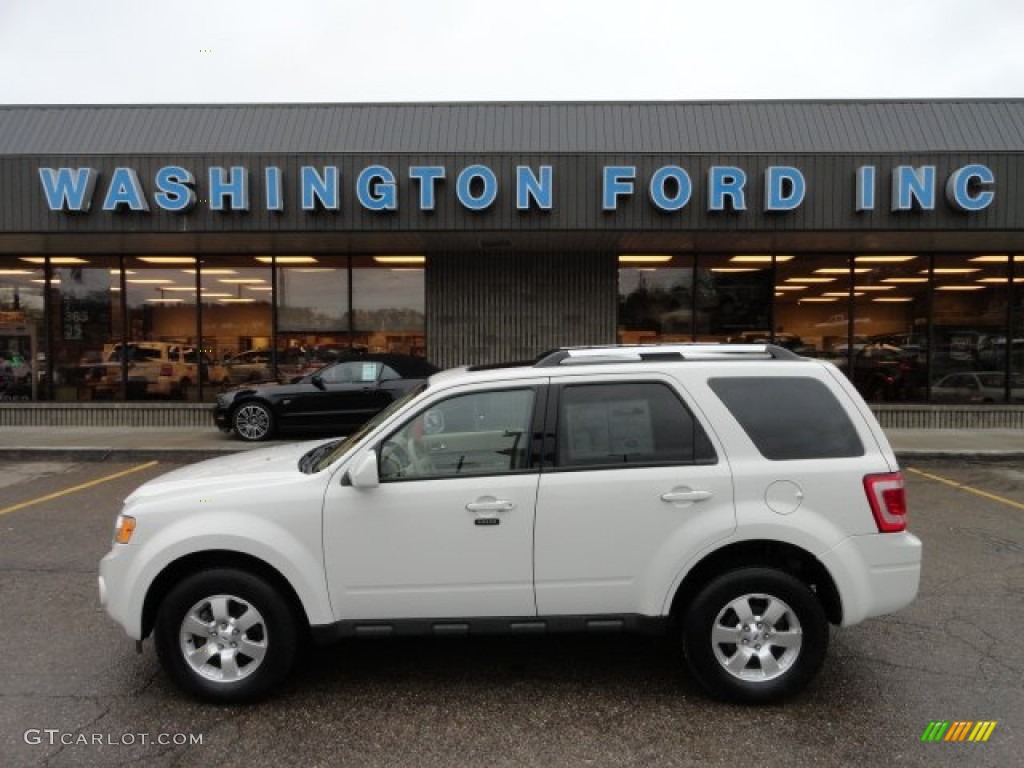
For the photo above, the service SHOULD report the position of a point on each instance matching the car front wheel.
(225, 635)
(755, 635)
(253, 421)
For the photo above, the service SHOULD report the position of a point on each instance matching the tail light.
(888, 500)
(166, 370)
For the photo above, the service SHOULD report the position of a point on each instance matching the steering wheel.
(394, 460)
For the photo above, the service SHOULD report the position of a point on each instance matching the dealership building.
(887, 236)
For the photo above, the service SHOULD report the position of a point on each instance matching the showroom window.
(160, 299)
(892, 296)
(812, 314)
(656, 299)
(22, 330)
(389, 304)
(236, 320)
(733, 297)
(972, 310)
(85, 322)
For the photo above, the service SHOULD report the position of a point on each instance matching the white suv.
(154, 368)
(738, 497)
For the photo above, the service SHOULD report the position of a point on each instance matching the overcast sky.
(152, 51)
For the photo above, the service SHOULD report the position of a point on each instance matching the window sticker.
(602, 430)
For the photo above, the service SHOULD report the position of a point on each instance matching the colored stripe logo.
(958, 730)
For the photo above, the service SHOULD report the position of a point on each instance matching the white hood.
(248, 469)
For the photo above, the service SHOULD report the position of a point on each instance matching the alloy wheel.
(756, 637)
(223, 638)
(252, 422)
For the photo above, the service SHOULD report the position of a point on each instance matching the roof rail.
(650, 352)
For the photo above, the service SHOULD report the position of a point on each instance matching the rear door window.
(627, 424)
(789, 417)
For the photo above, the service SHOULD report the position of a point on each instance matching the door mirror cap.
(317, 380)
(364, 474)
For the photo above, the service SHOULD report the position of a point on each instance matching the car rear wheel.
(755, 635)
(253, 421)
(225, 635)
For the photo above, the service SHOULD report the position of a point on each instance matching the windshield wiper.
(310, 458)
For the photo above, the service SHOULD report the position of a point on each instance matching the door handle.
(490, 504)
(685, 494)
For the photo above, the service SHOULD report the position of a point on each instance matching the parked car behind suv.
(978, 387)
(339, 397)
(884, 373)
(154, 368)
(737, 498)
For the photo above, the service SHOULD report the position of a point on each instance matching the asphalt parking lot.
(73, 692)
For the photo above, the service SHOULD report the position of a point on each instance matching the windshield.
(324, 459)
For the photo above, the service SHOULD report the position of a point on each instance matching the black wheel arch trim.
(214, 559)
(761, 553)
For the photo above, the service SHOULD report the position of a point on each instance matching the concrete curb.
(959, 455)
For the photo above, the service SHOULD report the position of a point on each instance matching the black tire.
(253, 421)
(757, 668)
(219, 672)
(184, 386)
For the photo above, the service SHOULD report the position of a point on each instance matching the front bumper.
(115, 594)
(876, 573)
(222, 418)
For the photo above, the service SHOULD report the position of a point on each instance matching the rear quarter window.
(789, 417)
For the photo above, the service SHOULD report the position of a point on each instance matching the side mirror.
(364, 474)
(317, 381)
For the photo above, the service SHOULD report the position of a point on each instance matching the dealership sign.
(669, 188)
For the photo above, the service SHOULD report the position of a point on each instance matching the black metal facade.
(502, 282)
(492, 307)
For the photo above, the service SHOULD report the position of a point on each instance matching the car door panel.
(399, 552)
(344, 396)
(606, 549)
(612, 532)
(448, 539)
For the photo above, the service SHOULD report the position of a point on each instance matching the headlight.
(124, 527)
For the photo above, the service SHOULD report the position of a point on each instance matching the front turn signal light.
(123, 529)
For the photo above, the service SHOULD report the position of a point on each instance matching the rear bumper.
(875, 574)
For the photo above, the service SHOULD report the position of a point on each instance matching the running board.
(510, 625)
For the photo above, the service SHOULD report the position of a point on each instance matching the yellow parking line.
(76, 488)
(962, 487)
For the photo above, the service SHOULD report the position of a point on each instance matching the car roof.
(743, 359)
(407, 366)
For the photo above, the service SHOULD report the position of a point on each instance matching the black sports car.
(336, 398)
